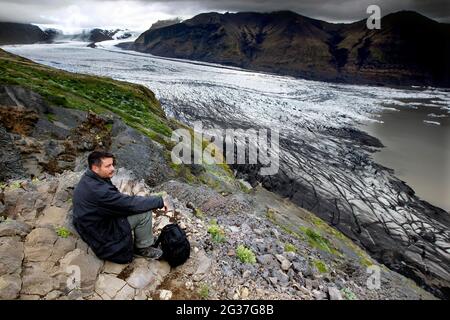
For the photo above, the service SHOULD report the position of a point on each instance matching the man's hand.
(167, 204)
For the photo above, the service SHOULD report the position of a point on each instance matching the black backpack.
(174, 244)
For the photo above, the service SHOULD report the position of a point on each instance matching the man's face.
(106, 170)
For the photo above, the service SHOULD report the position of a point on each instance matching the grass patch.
(321, 266)
(245, 255)
(322, 225)
(51, 117)
(135, 104)
(203, 291)
(216, 232)
(316, 240)
(182, 171)
(270, 214)
(290, 248)
(199, 213)
(15, 185)
(348, 294)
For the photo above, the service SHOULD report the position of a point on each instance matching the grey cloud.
(47, 11)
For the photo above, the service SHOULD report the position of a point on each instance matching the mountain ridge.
(287, 43)
(21, 33)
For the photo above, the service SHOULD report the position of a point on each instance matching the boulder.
(285, 263)
(334, 293)
(11, 166)
(140, 154)
(126, 293)
(113, 268)
(39, 244)
(37, 281)
(10, 285)
(89, 266)
(267, 260)
(52, 217)
(204, 265)
(61, 247)
(14, 228)
(11, 253)
(147, 273)
(108, 285)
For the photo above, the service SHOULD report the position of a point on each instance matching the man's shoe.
(149, 252)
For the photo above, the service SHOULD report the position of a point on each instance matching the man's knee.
(144, 217)
(140, 218)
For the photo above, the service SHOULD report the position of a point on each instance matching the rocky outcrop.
(42, 257)
(10, 161)
(164, 23)
(98, 35)
(40, 138)
(408, 49)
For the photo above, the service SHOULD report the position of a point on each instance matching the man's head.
(102, 163)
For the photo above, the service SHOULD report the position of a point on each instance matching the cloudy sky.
(140, 14)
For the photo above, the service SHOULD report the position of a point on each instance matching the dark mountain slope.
(20, 33)
(408, 49)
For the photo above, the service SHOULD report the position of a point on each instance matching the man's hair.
(97, 156)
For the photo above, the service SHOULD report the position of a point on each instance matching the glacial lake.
(416, 137)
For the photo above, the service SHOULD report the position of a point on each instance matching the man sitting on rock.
(105, 218)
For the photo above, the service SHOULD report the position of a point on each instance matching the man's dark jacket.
(100, 216)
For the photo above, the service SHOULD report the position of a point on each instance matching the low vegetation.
(216, 232)
(135, 104)
(63, 232)
(245, 255)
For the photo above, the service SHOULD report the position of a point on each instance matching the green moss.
(203, 291)
(364, 259)
(290, 247)
(316, 240)
(63, 232)
(182, 171)
(245, 255)
(51, 117)
(322, 225)
(217, 176)
(244, 188)
(321, 266)
(348, 294)
(15, 185)
(271, 215)
(199, 213)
